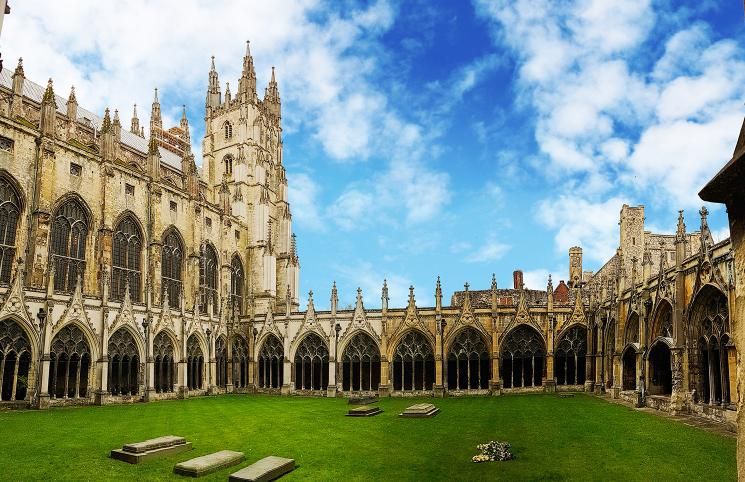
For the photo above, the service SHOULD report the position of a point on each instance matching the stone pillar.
(677, 398)
(229, 360)
(549, 382)
(44, 396)
(331, 389)
(616, 367)
(102, 366)
(495, 384)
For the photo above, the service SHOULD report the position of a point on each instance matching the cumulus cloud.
(491, 250)
(303, 193)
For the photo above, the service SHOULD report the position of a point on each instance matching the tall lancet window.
(69, 233)
(10, 210)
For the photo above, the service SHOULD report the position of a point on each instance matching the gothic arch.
(172, 261)
(302, 336)
(90, 336)
(346, 339)
(30, 332)
(70, 235)
(413, 362)
(138, 338)
(468, 358)
(360, 362)
(570, 354)
(177, 355)
(71, 362)
(453, 335)
(662, 320)
(632, 329)
(270, 359)
(127, 230)
(523, 357)
(240, 358)
(12, 205)
(311, 363)
(17, 353)
(392, 344)
(237, 282)
(209, 276)
(125, 355)
(514, 328)
(196, 355)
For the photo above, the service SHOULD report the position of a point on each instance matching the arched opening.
(240, 362)
(10, 211)
(523, 358)
(124, 364)
(710, 318)
(68, 237)
(629, 369)
(228, 161)
(413, 363)
(228, 128)
(661, 376)
(610, 351)
(570, 357)
(165, 368)
(15, 361)
(69, 364)
(126, 258)
(632, 329)
(361, 364)
(236, 284)
(172, 255)
(271, 363)
(207, 278)
(221, 361)
(194, 363)
(468, 362)
(312, 364)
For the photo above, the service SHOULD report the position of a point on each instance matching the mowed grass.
(580, 438)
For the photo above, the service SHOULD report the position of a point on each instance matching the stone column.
(549, 382)
(229, 359)
(102, 366)
(287, 371)
(677, 398)
(439, 385)
(331, 389)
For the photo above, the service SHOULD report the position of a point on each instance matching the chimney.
(517, 279)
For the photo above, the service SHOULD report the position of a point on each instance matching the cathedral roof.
(35, 92)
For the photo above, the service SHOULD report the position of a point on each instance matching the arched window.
(228, 130)
(632, 329)
(570, 357)
(629, 369)
(361, 364)
(70, 361)
(164, 362)
(271, 363)
(237, 279)
(124, 364)
(413, 363)
(69, 233)
(194, 363)
(207, 278)
(468, 362)
(523, 358)
(312, 364)
(126, 260)
(15, 361)
(228, 161)
(10, 210)
(240, 362)
(715, 352)
(660, 368)
(172, 255)
(221, 361)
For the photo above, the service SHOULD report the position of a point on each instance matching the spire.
(72, 97)
(247, 83)
(155, 119)
(334, 299)
(707, 239)
(135, 127)
(106, 125)
(228, 97)
(271, 97)
(680, 235)
(72, 108)
(213, 88)
(117, 126)
(384, 296)
(184, 124)
(49, 94)
(48, 111)
(19, 68)
(18, 78)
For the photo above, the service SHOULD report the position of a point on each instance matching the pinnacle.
(213, 63)
(155, 100)
(72, 93)
(134, 113)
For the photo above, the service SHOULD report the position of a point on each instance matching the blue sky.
(425, 138)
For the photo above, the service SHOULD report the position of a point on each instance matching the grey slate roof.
(35, 92)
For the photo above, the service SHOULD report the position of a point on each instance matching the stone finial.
(334, 299)
(71, 97)
(135, 126)
(19, 68)
(493, 282)
(550, 285)
(49, 94)
(412, 300)
(681, 231)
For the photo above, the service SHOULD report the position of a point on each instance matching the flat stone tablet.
(206, 464)
(361, 400)
(420, 410)
(364, 411)
(266, 469)
(137, 458)
(152, 444)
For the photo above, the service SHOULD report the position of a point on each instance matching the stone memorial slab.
(364, 411)
(362, 400)
(139, 452)
(266, 469)
(206, 464)
(420, 410)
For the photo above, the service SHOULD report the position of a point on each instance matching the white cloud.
(720, 234)
(491, 250)
(537, 279)
(303, 194)
(351, 209)
(364, 275)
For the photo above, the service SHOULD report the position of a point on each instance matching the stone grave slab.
(139, 452)
(364, 411)
(266, 469)
(362, 400)
(206, 464)
(420, 410)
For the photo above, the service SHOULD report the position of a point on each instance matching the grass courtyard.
(580, 438)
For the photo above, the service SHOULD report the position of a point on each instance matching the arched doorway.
(271, 363)
(523, 358)
(70, 361)
(312, 364)
(468, 362)
(164, 363)
(15, 361)
(194, 363)
(413, 363)
(124, 364)
(361, 364)
(661, 374)
(570, 357)
(629, 368)
(240, 362)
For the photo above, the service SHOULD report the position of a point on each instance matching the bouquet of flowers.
(493, 451)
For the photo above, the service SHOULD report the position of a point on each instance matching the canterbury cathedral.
(128, 274)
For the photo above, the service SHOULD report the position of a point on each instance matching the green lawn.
(580, 438)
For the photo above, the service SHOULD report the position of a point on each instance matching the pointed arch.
(569, 355)
(164, 358)
(195, 355)
(126, 257)
(71, 355)
(237, 281)
(240, 358)
(311, 363)
(271, 362)
(16, 354)
(125, 354)
(70, 229)
(221, 361)
(209, 267)
(360, 363)
(632, 331)
(468, 360)
(11, 206)
(662, 322)
(413, 362)
(523, 353)
(172, 260)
